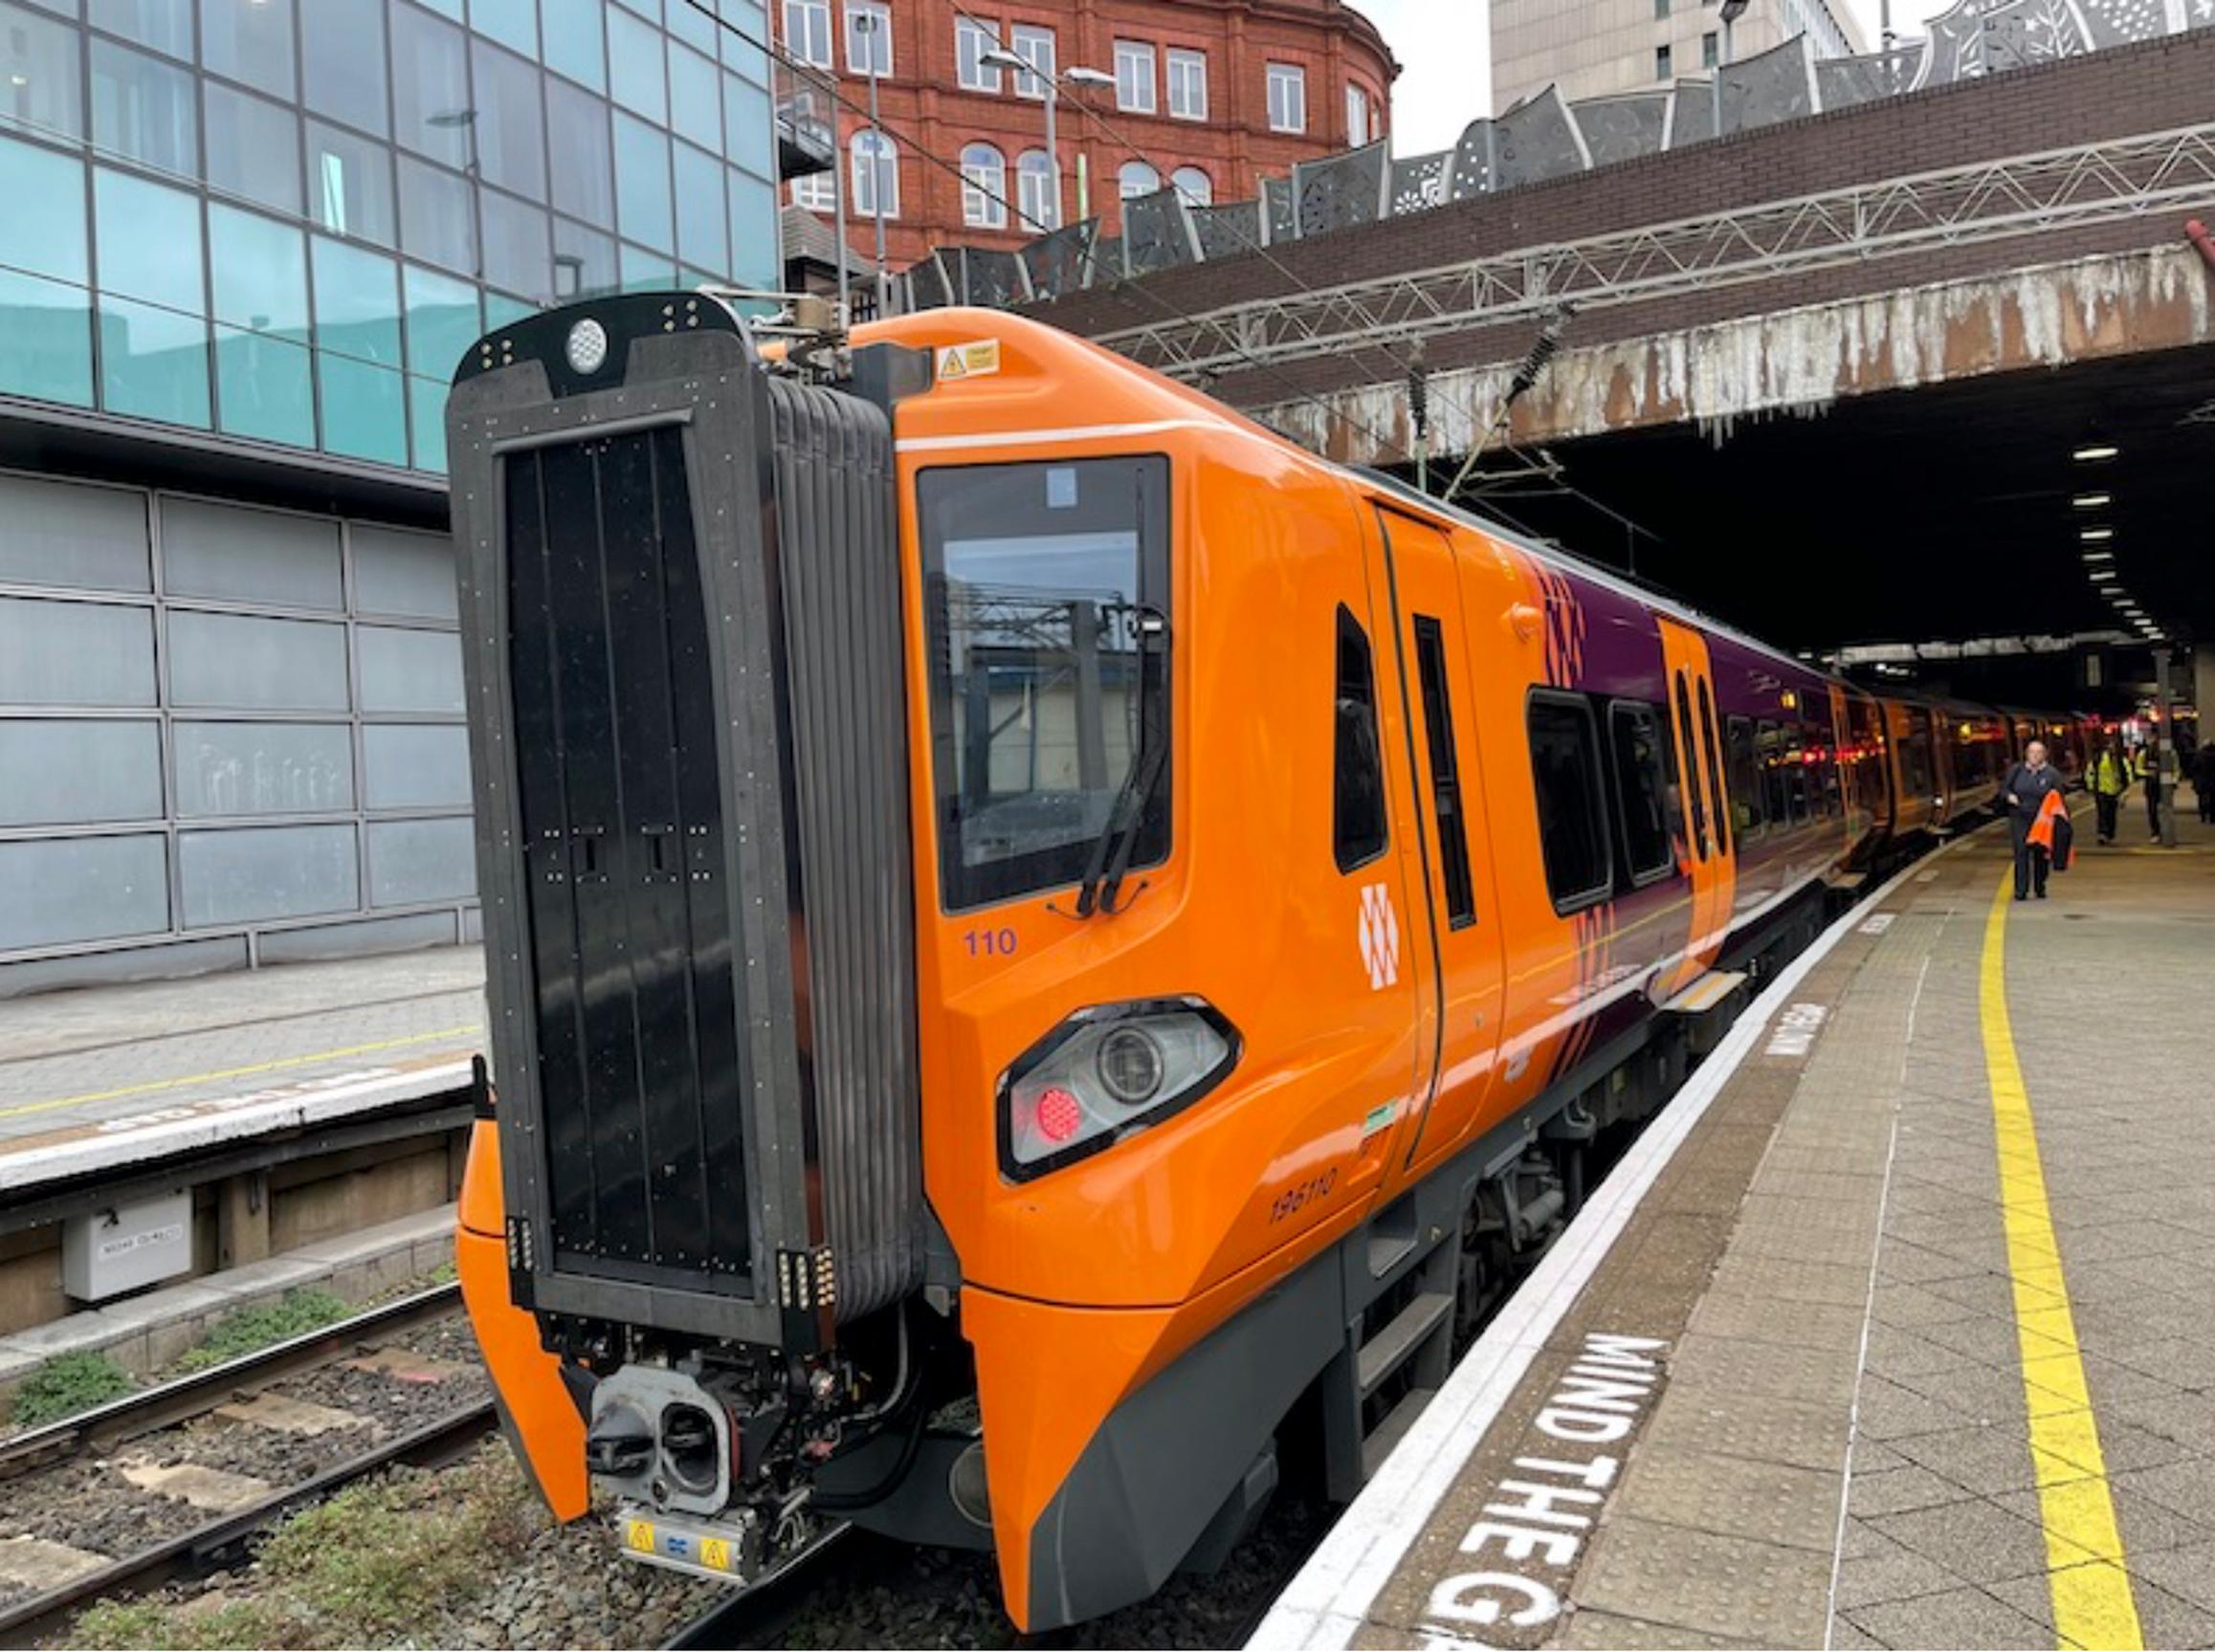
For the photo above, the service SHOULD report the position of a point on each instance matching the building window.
(875, 167)
(1287, 97)
(984, 188)
(817, 193)
(1137, 179)
(1195, 185)
(1035, 45)
(1661, 65)
(1358, 131)
(868, 37)
(1708, 54)
(1134, 77)
(808, 31)
(971, 41)
(1037, 196)
(1188, 85)
(1660, 8)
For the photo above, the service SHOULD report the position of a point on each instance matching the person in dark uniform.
(2154, 770)
(2203, 780)
(2024, 793)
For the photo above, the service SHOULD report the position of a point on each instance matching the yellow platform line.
(261, 1066)
(2092, 1603)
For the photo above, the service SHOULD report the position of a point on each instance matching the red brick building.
(1212, 95)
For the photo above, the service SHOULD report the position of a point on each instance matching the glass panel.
(750, 23)
(249, 40)
(144, 108)
(253, 148)
(153, 363)
(754, 256)
(515, 245)
(42, 231)
(584, 261)
(45, 340)
(409, 671)
(1572, 832)
(695, 110)
(230, 554)
(39, 57)
(417, 861)
(238, 661)
(357, 302)
(342, 48)
(453, 10)
(350, 184)
(645, 272)
(427, 422)
(584, 178)
(443, 322)
(430, 103)
(635, 66)
(266, 871)
(398, 572)
(746, 133)
(499, 310)
(364, 415)
(84, 889)
(263, 768)
(435, 221)
(79, 772)
(643, 207)
(703, 236)
(261, 357)
(150, 241)
(695, 27)
(511, 22)
(59, 532)
(74, 654)
(163, 24)
(510, 130)
(575, 45)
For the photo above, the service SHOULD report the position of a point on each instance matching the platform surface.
(151, 1064)
(1911, 1340)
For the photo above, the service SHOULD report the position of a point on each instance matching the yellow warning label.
(714, 1553)
(638, 1535)
(969, 361)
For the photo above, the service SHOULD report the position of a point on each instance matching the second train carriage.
(1042, 937)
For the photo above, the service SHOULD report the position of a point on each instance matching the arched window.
(1137, 179)
(1036, 196)
(875, 175)
(984, 188)
(1195, 185)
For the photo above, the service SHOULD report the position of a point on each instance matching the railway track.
(758, 1614)
(226, 1538)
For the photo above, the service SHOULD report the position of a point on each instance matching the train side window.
(1796, 777)
(1642, 789)
(1445, 773)
(1776, 805)
(1714, 770)
(1572, 801)
(1358, 832)
(1745, 776)
(1690, 768)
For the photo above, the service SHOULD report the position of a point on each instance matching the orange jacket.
(2042, 829)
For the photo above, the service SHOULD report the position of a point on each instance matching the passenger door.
(1457, 935)
(1707, 812)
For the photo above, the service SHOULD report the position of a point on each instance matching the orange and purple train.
(1045, 943)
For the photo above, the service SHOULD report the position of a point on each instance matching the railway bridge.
(1872, 339)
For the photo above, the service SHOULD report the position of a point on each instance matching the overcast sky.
(1445, 69)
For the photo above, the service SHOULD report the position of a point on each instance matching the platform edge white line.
(1328, 1600)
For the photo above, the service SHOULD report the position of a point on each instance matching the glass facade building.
(247, 242)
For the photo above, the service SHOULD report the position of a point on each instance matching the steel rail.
(225, 1540)
(103, 1427)
(758, 1614)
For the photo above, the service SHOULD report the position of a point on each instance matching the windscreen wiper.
(1111, 856)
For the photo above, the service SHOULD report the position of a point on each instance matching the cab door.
(1712, 852)
(1457, 939)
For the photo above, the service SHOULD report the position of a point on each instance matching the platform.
(98, 1077)
(1899, 1328)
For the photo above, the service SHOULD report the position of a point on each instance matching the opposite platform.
(1910, 1339)
(93, 1077)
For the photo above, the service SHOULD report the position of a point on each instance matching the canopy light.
(2097, 555)
(2104, 576)
(2096, 536)
(2093, 453)
(2093, 501)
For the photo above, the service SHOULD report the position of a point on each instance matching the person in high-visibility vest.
(2108, 778)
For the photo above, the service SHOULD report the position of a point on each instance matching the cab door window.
(1444, 772)
(1358, 832)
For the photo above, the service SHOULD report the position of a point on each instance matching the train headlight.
(1104, 1074)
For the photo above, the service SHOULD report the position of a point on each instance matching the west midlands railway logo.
(1380, 937)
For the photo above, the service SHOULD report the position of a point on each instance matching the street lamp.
(1002, 57)
(868, 23)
